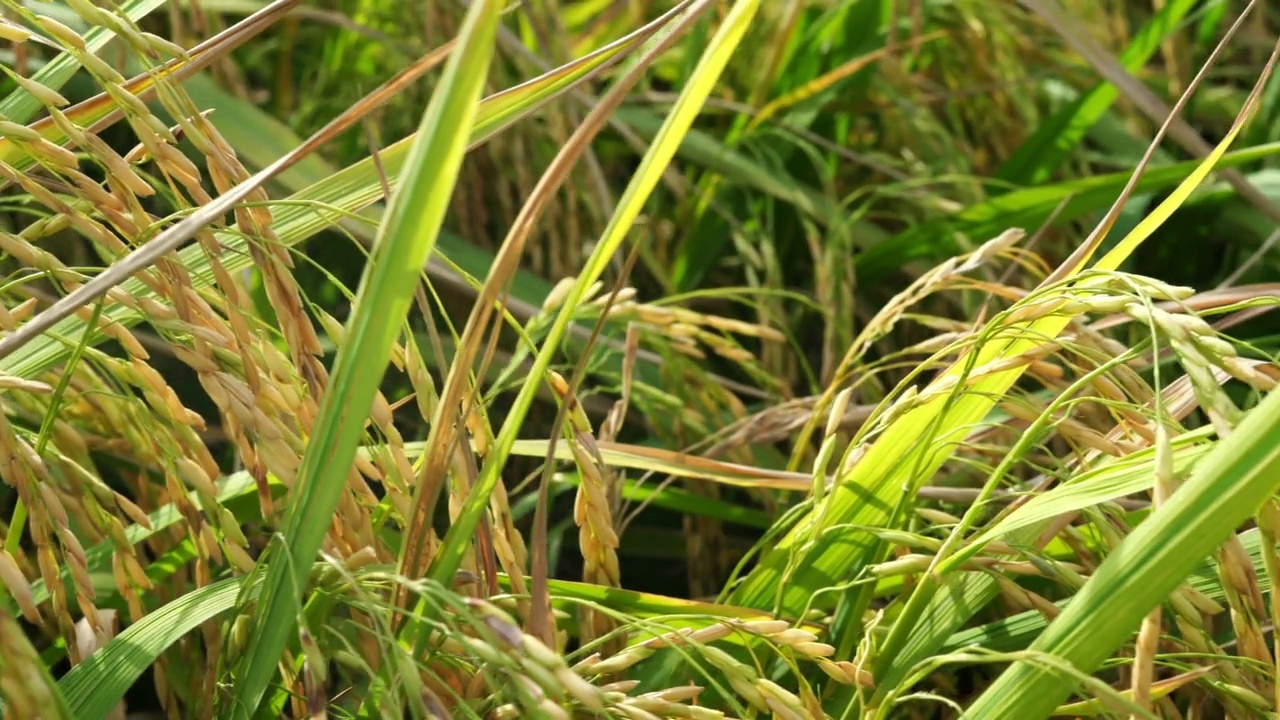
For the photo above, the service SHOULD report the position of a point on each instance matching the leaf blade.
(405, 241)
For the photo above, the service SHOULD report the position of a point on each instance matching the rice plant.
(683, 359)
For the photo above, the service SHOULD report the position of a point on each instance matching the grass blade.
(404, 242)
(98, 684)
(645, 179)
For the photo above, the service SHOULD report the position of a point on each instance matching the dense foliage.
(639, 359)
